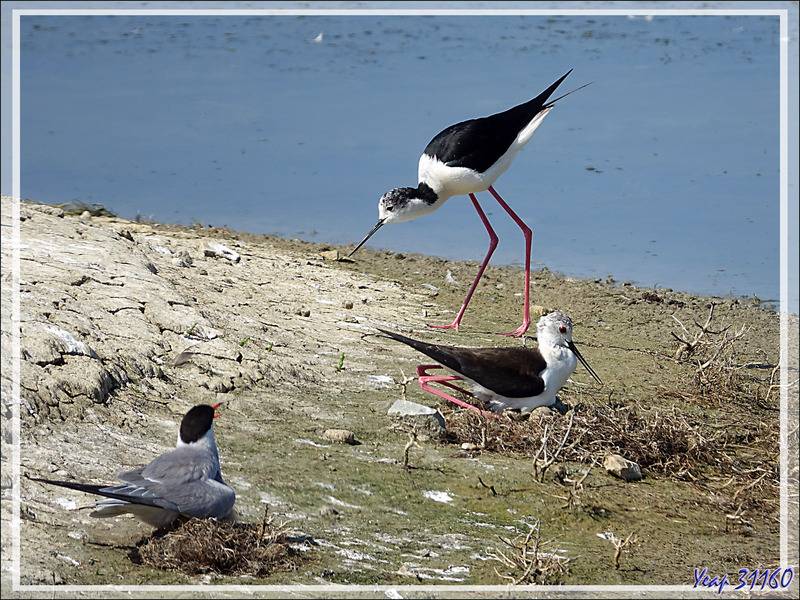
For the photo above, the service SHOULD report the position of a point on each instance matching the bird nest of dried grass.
(659, 442)
(202, 546)
(739, 456)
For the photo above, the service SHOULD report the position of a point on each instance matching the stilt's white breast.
(455, 181)
(561, 363)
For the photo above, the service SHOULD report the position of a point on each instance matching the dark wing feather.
(111, 492)
(478, 143)
(510, 372)
(436, 352)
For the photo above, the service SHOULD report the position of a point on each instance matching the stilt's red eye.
(562, 329)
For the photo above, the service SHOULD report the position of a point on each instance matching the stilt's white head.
(555, 329)
(402, 204)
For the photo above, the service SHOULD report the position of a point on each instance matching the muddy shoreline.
(283, 334)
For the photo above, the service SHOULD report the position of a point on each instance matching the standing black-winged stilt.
(186, 481)
(464, 159)
(507, 378)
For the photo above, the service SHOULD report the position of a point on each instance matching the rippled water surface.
(664, 171)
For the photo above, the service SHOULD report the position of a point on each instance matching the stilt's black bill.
(378, 225)
(583, 362)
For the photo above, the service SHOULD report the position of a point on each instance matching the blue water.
(664, 171)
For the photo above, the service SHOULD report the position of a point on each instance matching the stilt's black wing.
(510, 372)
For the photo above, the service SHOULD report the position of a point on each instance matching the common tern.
(185, 481)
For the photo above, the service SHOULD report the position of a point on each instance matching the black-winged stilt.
(464, 159)
(186, 481)
(506, 378)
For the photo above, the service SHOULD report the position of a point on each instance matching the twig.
(539, 452)
(688, 347)
(263, 524)
(412, 441)
(735, 517)
(619, 546)
(526, 557)
(403, 384)
(749, 485)
(488, 487)
(579, 483)
(548, 462)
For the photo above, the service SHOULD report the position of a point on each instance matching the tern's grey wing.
(184, 481)
(115, 495)
(181, 466)
(200, 498)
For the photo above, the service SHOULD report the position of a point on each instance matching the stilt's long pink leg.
(526, 231)
(424, 379)
(422, 371)
(492, 245)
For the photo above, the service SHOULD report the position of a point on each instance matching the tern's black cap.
(196, 423)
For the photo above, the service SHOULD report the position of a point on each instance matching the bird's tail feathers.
(112, 492)
(552, 102)
(433, 351)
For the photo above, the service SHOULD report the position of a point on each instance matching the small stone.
(408, 570)
(538, 310)
(560, 473)
(217, 250)
(428, 422)
(623, 468)
(330, 255)
(55, 211)
(342, 436)
(184, 257)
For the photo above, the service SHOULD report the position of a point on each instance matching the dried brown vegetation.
(720, 376)
(527, 563)
(209, 546)
(734, 458)
(664, 443)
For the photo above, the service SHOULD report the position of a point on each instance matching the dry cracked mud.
(282, 333)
